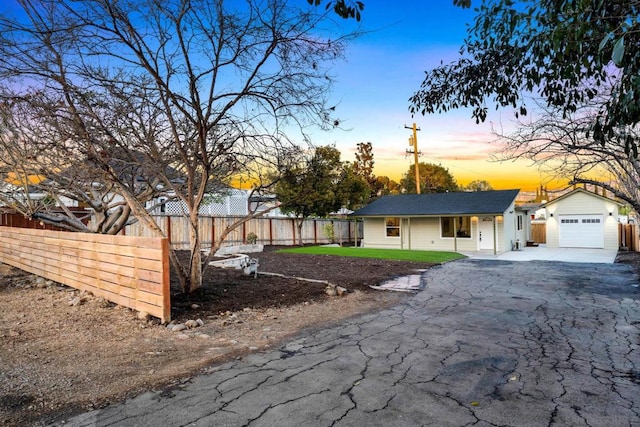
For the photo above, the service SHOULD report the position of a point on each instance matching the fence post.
(270, 231)
(169, 228)
(315, 232)
(293, 227)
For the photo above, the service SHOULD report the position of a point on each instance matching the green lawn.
(394, 254)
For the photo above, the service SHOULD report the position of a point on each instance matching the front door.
(485, 233)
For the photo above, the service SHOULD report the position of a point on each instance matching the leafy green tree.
(354, 190)
(478, 185)
(385, 186)
(433, 179)
(343, 8)
(363, 165)
(560, 49)
(313, 187)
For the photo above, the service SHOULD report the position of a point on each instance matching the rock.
(331, 291)
(179, 327)
(190, 324)
(341, 291)
(203, 336)
(143, 315)
(246, 309)
(75, 301)
(195, 306)
(41, 283)
(200, 322)
(182, 336)
(252, 348)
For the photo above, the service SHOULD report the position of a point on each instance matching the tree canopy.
(560, 49)
(433, 179)
(214, 89)
(320, 185)
(478, 185)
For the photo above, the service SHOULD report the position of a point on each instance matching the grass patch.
(393, 254)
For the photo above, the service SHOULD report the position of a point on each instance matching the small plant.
(252, 238)
(329, 232)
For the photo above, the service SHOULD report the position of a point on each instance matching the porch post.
(495, 235)
(455, 234)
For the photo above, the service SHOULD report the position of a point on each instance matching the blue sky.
(382, 70)
(385, 67)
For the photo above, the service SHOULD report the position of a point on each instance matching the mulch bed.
(230, 290)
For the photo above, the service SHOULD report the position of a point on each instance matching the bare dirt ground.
(63, 352)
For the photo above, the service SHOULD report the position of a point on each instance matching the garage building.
(582, 219)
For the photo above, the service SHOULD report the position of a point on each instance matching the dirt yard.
(64, 352)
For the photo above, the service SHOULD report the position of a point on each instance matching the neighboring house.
(457, 221)
(228, 202)
(582, 219)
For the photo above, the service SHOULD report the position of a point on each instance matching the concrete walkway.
(543, 253)
(485, 343)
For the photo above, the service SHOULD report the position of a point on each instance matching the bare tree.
(207, 88)
(565, 149)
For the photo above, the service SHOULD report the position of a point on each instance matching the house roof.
(437, 204)
(580, 190)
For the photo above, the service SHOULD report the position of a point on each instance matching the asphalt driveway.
(485, 343)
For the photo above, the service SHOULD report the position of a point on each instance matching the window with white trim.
(461, 225)
(392, 226)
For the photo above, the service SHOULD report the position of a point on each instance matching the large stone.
(331, 290)
(178, 327)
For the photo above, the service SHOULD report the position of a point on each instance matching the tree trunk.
(143, 216)
(195, 247)
(300, 222)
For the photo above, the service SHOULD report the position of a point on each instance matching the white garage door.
(581, 231)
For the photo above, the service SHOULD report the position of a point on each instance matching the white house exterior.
(458, 221)
(582, 219)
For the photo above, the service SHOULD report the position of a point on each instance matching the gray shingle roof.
(457, 203)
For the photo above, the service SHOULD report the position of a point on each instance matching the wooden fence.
(130, 271)
(628, 237)
(539, 232)
(270, 231)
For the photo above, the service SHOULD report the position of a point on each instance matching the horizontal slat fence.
(126, 270)
(270, 231)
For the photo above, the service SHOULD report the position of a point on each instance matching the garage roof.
(438, 204)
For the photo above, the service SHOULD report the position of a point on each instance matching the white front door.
(485, 232)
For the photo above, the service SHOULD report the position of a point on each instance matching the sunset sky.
(385, 67)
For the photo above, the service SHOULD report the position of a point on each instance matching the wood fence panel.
(628, 237)
(127, 270)
(539, 233)
(270, 230)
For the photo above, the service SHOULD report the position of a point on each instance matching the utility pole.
(413, 142)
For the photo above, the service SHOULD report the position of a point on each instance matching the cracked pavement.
(485, 343)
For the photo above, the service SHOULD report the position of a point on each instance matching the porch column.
(455, 234)
(495, 235)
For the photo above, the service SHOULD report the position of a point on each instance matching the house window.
(393, 226)
(519, 221)
(461, 225)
